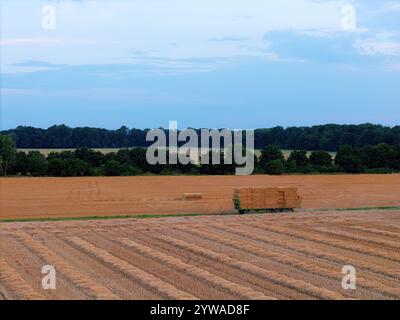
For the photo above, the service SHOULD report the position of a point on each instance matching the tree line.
(327, 137)
(380, 158)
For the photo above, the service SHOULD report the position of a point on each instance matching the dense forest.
(327, 137)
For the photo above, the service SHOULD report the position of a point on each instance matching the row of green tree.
(327, 137)
(381, 158)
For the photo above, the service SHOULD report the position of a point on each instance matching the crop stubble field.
(285, 256)
(27, 198)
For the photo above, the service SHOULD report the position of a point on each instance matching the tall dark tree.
(8, 154)
(94, 158)
(113, 168)
(300, 157)
(347, 160)
(56, 167)
(76, 168)
(271, 152)
(274, 167)
(380, 156)
(20, 167)
(320, 159)
(272, 160)
(36, 164)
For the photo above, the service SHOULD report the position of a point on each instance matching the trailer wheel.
(244, 211)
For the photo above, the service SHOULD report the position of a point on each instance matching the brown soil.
(102, 196)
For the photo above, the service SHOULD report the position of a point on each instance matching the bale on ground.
(192, 196)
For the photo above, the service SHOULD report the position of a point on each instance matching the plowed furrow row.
(357, 237)
(313, 251)
(79, 280)
(304, 264)
(177, 264)
(311, 236)
(146, 279)
(257, 271)
(384, 226)
(216, 256)
(3, 294)
(16, 284)
(377, 231)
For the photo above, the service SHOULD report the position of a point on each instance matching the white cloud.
(330, 33)
(174, 35)
(381, 44)
(43, 41)
(120, 27)
(392, 6)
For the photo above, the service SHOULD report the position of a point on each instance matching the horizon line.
(199, 128)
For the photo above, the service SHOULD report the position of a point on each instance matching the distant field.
(286, 153)
(47, 151)
(23, 198)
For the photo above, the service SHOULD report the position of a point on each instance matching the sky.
(237, 64)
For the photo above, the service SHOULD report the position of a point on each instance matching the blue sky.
(205, 63)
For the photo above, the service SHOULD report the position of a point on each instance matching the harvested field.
(24, 198)
(283, 256)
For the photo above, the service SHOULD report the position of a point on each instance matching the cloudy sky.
(204, 63)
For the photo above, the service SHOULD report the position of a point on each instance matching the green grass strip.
(116, 217)
(157, 216)
(370, 208)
